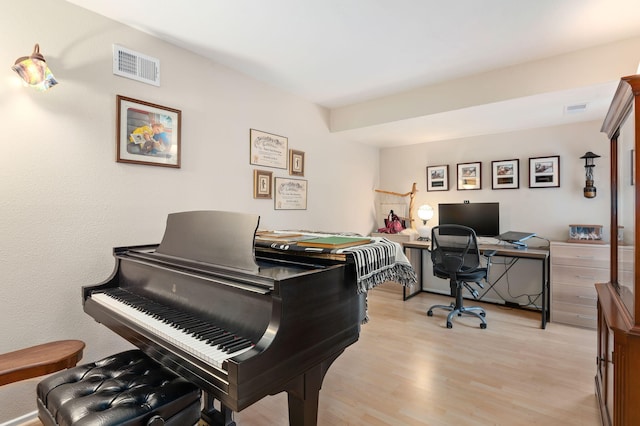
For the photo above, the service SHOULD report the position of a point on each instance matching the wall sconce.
(425, 212)
(34, 70)
(589, 189)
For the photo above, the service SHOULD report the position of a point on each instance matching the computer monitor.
(484, 218)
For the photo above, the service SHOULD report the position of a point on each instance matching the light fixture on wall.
(34, 70)
(589, 188)
(425, 212)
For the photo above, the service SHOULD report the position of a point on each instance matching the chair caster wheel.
(483, 325)
(429, 313)
(449, 325)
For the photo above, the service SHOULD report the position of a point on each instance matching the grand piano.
(241, 323)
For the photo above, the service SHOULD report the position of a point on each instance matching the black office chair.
(456, 257)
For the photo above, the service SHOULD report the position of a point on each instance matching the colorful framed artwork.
(544, 172)
(262, 184)
(147, 133)
(290, 194)
(469, 176)
(267, 149)
(296, 163)
(438, 178)
(505, 174)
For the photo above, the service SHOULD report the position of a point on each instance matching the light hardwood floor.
(409, 369)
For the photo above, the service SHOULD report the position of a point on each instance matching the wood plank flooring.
(409, 369)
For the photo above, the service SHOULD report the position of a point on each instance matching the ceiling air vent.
(576, 108)
(136, 66)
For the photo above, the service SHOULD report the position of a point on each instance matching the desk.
(540, 254)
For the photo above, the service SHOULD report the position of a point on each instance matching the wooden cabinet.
(618, 352)
(575, 268)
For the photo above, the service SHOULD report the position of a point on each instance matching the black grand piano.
(238, 322)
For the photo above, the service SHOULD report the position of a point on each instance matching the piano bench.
(128, 389)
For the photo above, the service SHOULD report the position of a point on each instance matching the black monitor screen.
(484, 218)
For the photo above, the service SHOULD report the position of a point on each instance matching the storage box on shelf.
(575, 268)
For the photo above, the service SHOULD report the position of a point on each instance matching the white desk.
(540, 254)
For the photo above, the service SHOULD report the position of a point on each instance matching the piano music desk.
(537, 253)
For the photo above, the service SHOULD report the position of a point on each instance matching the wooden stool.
(39, 360)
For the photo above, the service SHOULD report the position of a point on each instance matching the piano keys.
(238, 323)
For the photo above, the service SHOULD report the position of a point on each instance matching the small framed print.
(438, 178)
(147, 133)
(544, 172)
(505, 174)
(262, 184)
(296, 163)
(267, 149)
(469, 176)
(290, 194)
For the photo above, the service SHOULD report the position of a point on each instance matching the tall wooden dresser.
(618, 357)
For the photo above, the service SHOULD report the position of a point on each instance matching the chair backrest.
(454, 248)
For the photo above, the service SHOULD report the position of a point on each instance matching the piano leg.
(303, 394)
(214, 417)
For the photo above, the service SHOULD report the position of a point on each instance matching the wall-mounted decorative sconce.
(425, 212)
(589, 189)
(34, 70)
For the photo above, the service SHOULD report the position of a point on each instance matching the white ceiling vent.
(576, 108)
(136, 66)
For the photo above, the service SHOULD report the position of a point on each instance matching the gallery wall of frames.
(288, 191)
(543, 172)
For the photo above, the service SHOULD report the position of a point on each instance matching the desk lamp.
(425, 212)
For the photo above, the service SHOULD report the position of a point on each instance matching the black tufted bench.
(128, 389)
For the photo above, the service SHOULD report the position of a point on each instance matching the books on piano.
(334, 242)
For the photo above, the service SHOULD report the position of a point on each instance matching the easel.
(410, 194)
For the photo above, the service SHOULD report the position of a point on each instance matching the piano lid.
(215, 237)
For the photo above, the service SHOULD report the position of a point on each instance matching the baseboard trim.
(22, 419)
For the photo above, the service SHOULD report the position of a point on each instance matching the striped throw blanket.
(380, 261)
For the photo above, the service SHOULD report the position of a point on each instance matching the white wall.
(546, 211)
(65, 202)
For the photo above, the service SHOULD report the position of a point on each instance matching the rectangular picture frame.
(147, 133)
(296, 163)
(267, 149)
(469, 176)
(505, 174)
(438, 178)
(290, 194)
(544, 172)
(262, 184)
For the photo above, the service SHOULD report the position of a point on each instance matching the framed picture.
(296, 163)
(290, 194)
(267, 149)
(544, 172)
(505, 174)
(438, 178)
(147, 133)
(262, 184)
(469, 176)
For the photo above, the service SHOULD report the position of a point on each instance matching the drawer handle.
(586, 317)
(587, 297)
(585, 257)
(585, 277)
